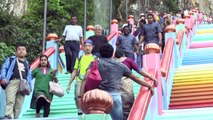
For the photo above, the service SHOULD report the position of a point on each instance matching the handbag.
(93, 79)
(56, 89)
(24, 86)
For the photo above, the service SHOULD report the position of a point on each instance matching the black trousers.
(72, 49)
(41, 102)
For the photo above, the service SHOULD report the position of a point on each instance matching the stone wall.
(15, 7)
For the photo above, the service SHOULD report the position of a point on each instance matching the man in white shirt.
(73, 36)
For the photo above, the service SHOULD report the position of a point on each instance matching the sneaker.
(68, 72)
(80, 113)
(5, 118)
(37, 115)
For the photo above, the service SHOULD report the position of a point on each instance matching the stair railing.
(147, 107)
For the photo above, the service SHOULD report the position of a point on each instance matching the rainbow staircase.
(193, 82)
(64, 108)
(192, 91)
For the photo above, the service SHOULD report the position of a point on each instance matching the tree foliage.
(28, 29)
(5, 51)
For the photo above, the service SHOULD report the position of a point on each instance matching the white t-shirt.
(72, 32)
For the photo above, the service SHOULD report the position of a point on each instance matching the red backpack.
(93, 79)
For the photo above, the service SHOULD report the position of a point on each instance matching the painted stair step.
(193, 63)
(191, 87)
(192, 80)
(203, 53)
(58, 108)
(187, 114)
(54, 113)
(190, 98)
(186, 118)
(65, 99)
(198, 58)
(190, 94)
(205, 110)
(194, 77)
(53, 117)
(196, 62)
(190, 73)
(197, 102)
(181, 71)
(32, 112)
(196, 105)
(192, 90)
(200, 50)
(193, 83)
(189, 67)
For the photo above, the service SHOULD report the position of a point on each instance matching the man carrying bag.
(12, 73)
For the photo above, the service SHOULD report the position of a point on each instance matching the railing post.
(171, 33)
(90, 31)
(182, 46)
(173, 62)
(53, 59)
(188, 29)
(114, 26)
(152, 64)
(2, 101)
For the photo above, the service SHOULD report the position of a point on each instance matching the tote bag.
(94, 78)
(24, 86)
(56, 89)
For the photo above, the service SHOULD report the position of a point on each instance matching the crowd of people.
(115, 65)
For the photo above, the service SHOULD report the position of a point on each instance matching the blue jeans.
(140, 59)
(130, 55)
(117, 110)
(97, 54)
(72, 49)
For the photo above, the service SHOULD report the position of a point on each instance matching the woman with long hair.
(42, 98)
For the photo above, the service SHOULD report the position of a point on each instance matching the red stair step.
(192, 106)
(198, 102)
(190, 98)
(192, 94)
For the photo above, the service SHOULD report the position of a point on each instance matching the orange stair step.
(190, 98)
(190, 94)
(192, 90)
(191, 106)
(193, 83)
(178, 77)
(191, 87)
(207, 101)
(194, 79)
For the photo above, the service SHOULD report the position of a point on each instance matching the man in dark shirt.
(24, 67)
(10, 77)
(128, 43)
(98, 40)
(151, 32)
(111, 73)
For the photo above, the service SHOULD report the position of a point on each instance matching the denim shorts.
(77, 88)
(117, 111)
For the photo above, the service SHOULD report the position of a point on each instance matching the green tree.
(29, 28)
(5, 51)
